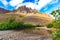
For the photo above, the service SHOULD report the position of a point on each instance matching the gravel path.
(21, 35)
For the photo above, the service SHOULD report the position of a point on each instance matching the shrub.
(11, 24)
(28, 25)
(56, 35)
(50, 25)
(7, 24)
(54, 24)
(38, 25)
(21, 15)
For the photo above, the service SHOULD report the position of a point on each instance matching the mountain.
(27, 15)
(24, 9)
(2, 10)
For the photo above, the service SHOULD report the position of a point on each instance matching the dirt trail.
(21, 35)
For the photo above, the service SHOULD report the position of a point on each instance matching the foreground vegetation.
(55, 33)
(55, 24)
(11, 24)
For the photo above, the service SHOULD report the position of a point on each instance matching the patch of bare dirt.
(22, 35)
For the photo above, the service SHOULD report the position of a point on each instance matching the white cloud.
(15, 2)
(27, 4)
(17, 6)
(36, 1)
(4, 2)
(54, 1)
(41, 4)
(31, 5)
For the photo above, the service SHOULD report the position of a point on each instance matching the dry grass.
(38, 18)
(37, 31)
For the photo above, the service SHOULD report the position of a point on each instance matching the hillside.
(22, 15)
(28, 15)
(37, 18)
(4, 11)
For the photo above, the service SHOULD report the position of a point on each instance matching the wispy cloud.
(4, 2)
(53, 5)
(41, 3)
(44, 5)
(38, 4)
(15, 2)
(54, 1)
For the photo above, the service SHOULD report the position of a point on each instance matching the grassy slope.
(37, 18)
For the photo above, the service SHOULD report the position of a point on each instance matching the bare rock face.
(22, 9)
(25, 9)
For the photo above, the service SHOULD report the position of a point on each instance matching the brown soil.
(21, 35)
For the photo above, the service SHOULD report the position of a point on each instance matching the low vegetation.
(11, 24)
(55, 33)
(55, 24)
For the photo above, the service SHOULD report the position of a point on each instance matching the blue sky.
(46, 6)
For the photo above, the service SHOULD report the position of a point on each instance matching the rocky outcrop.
(22, 9)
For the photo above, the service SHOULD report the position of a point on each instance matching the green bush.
(50, 25)
(56, 35)
(28, 25)
(54, 24)
(57, 24)
(7, 24)
(12, 24)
